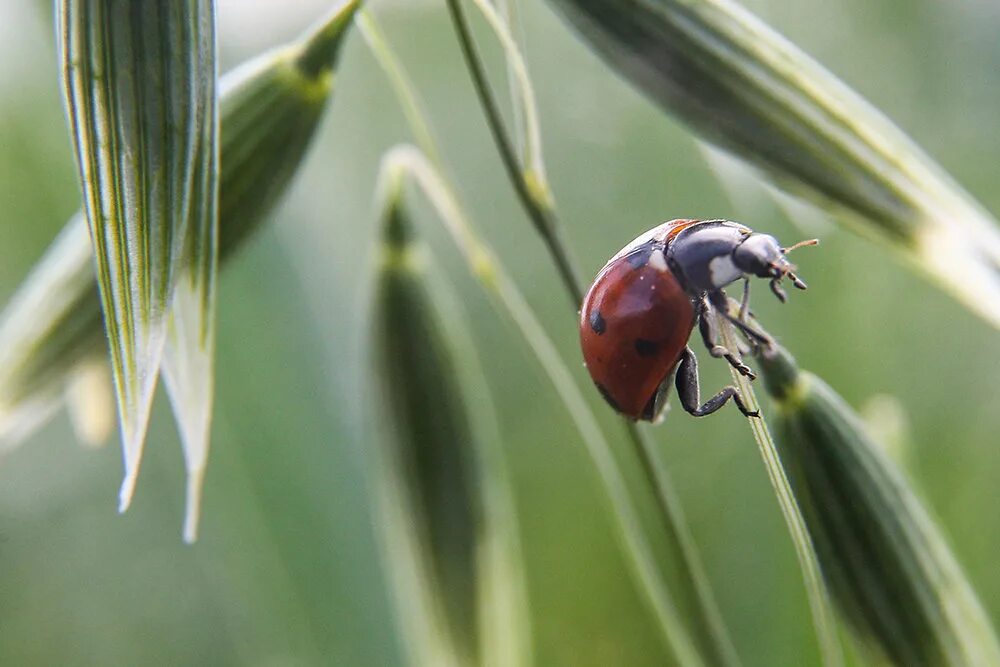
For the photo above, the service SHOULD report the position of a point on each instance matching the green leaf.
(139, 86)
(447, 512)
(888, 565)
(269, 108)
(745, 88)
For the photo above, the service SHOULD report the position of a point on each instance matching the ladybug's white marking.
(658, 261)
(722, 271)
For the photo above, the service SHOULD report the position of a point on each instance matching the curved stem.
(531, 191)
(508, 299)
(539, 206)
(400, 84)
(714, 640)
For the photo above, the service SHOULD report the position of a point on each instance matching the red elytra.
(639, 313)
(635, 323)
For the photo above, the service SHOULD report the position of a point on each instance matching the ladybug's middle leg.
(745, 301)
(720, 302)
(714, 349)
(689, 392)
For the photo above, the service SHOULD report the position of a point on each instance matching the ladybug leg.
(745, 301)
(689, 392)
(778, 291)
(720, 302)
(716, 350)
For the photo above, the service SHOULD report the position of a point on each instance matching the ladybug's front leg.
(714, 349)
(689, 392)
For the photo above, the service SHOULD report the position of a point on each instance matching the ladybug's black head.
(761, 255)
(711, 254)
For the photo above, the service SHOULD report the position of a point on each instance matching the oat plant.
(139, 84)
(889, 567)
(178, 167)
(269, 108)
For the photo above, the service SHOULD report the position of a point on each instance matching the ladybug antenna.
(800, 244)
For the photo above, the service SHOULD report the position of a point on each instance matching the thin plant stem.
(406, 95)
(507, 299)
(523, 95)
(531, 188)
(816, 592)
(707, 617)
(709, 624)
(540, 207)
(510, 16)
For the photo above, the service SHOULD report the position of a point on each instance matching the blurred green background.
(286, 571)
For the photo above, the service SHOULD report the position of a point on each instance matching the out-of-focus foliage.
(450, 537)
(286, 569)
(746, 88)
(886, 562)
(271, 106)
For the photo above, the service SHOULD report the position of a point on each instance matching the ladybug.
(638, 315)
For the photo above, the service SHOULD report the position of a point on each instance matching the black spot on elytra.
(597, 322)
(646, 348)
(607, 396)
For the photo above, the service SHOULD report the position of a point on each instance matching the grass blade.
(890, 569)
(139, 85)
(744, 87)
(269, 110)
(441, 480)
